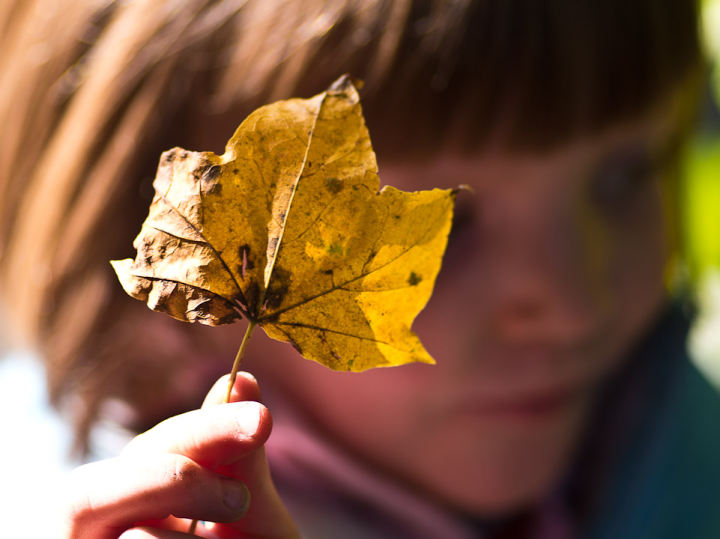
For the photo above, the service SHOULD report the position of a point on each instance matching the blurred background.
(701, 209)
(36, 443)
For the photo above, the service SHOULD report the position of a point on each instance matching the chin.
(497, 494)
(501, 469)
(497, 479)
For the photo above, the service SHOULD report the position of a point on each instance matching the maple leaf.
(288, 229)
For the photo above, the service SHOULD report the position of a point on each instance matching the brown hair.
(92, 92)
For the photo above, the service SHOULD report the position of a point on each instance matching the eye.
(463, 223)
(621, 176)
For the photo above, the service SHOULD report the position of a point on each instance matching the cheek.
(376, 411)
(640, 253)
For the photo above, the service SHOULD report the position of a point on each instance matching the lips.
(538, 406)
(529, 383)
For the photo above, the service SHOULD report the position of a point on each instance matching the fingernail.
(236, 496)
(248, 417)
(247, 376)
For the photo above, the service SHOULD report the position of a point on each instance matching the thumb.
(267, 516)
(245, 388)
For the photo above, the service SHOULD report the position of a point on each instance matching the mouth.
(526, 408)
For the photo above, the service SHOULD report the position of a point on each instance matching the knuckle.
(183, 472)
(77, 508)
(134, 444)
(138, 533)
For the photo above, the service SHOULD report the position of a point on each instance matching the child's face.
(554, 268)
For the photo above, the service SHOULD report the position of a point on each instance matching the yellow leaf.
(287, 228)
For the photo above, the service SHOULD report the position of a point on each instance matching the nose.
(547, 263)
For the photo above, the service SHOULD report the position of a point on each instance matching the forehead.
(658, 133)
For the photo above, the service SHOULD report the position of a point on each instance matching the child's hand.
(199, 465)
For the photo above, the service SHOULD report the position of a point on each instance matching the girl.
(562, 405)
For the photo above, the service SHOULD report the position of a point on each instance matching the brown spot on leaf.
(244, 252)
(247, 261)
(208, 179)
(273, 245)
(295, 345)
(334, 249)
(211, 296)
(252, 295)
(279, 285)
(334, 185)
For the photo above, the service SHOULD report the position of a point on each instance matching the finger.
(267, 516)
(245, 388)
(154, 533)
(108, 497)
(214, 436)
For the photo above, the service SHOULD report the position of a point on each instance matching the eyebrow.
(660, 151)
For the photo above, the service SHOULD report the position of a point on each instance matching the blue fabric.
(663, 474)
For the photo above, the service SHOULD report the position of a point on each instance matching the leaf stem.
(231, 383)
(238, 360)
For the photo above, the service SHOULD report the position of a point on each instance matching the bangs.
(92, 93)
(524, 74)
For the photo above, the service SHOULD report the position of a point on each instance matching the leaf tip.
(133, 285)
(344, 82)
(462, 187)
(121, 266)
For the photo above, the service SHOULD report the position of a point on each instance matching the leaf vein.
(220, 258)
(349, 281)
(337, 332)
(271, 262)
(177, 281)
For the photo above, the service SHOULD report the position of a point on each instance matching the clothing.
(649, 467)
(662, 465)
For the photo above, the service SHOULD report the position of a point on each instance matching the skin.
(553, 271)
(200, 465)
